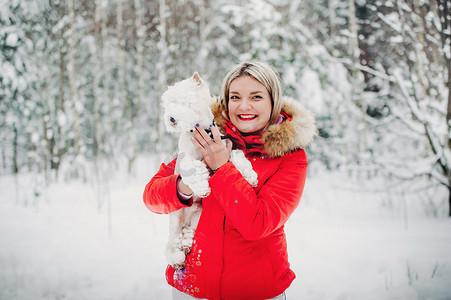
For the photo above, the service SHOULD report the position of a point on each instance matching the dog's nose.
(172, 119)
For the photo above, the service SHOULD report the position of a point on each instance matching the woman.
(239, 249)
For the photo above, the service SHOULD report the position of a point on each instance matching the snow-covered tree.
(82, 80)
(411, 83)
(12, 85)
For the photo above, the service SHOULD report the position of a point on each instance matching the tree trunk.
(3, 159)
(106, 76)
(449, 199)
(60, 109)
(15, 164)
(162, 77)
(135, 107)
(357, 82)
(123, 95)
(15, 160)
(97, 77)
(202, 54)
(332, 22)
(72, 82)
(140, 33)
(445, 20)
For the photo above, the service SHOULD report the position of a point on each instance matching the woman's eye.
(258, 97)
(233, 97)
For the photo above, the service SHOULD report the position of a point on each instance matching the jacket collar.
(280, 139)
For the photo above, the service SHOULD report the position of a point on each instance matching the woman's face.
(249, 104)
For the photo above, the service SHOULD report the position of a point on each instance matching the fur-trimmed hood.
(280, 139)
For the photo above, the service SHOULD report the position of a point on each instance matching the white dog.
(186, 104)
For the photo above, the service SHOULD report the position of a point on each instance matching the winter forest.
(81, 133)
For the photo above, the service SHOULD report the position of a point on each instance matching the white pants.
(177, 295)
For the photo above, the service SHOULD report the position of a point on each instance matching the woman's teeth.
(247, 116)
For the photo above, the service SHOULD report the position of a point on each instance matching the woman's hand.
(215, 153)
(183, 188)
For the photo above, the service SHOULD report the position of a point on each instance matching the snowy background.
(343, 243)
(81, 134)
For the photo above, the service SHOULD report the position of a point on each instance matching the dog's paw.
(187, 239)
(251, 177)
(200, 186)
(175, 256)
(244, 166)
(198, 180)
(201, 189)
(178, 260)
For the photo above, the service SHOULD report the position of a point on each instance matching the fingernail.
(211, 125)
(197, 125)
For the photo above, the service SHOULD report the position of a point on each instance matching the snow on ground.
(343, 243)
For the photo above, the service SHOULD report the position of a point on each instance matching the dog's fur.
(186, 104)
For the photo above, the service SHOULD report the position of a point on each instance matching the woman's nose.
(245, 104)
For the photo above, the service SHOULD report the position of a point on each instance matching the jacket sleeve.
(257, 215)
(160, 194)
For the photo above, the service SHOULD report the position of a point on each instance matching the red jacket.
(239, 249)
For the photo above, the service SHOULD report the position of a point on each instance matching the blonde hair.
(264, 74)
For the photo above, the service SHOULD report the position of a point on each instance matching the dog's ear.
(197, 78)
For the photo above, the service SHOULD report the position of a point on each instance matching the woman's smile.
(247, 117)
